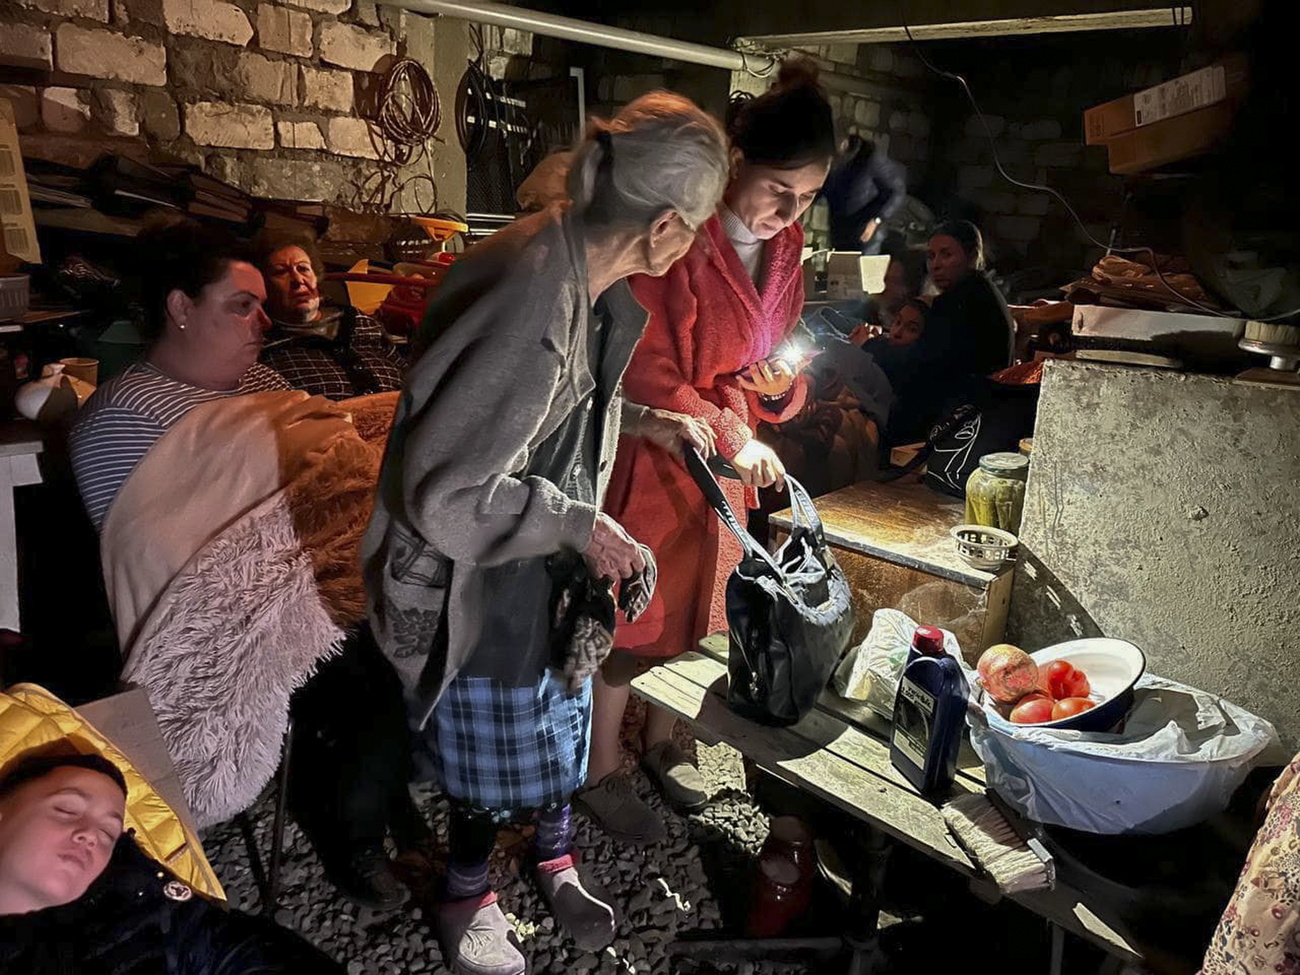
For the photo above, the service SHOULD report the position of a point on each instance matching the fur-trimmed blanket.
(230, 558)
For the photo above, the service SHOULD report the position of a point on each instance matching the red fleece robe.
(707, 324)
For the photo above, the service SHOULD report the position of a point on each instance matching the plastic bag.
(1179, 758)
(871, 671)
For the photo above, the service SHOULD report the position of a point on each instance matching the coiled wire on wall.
(408, 114)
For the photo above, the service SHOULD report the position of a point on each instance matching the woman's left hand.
(669, 430)
(771, 378)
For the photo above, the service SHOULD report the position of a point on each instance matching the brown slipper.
(680, 782)
(613, 805)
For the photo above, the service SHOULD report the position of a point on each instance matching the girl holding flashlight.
(716, 348)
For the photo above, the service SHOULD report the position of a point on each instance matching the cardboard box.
(1170, 140)
(1227, 79)
(850, 275)
(1198, 336)
(16, 222)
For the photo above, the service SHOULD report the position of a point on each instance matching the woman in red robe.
(714, 349)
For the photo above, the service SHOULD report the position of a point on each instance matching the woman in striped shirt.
(203, 311)
(203, 301)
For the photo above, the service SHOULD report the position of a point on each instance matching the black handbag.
(789, 615)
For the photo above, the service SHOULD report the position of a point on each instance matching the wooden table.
(892, 540)
(20, 443)
(840, 753)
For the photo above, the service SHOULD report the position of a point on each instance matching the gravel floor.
(664, 891)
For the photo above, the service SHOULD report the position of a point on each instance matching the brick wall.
(273, 97)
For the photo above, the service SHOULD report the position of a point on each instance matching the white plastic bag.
(871, 671)
(1181, 755)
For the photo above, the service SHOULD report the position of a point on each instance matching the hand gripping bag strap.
(699, 470)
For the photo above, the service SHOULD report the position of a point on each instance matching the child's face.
(907, 327)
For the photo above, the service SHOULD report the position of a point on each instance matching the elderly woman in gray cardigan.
(489, 505)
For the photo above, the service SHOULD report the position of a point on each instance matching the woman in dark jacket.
(79, 897)
(968, 332)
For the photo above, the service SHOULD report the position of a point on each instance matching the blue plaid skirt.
(509, 749)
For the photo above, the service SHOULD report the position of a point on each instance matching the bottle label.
(913, 719)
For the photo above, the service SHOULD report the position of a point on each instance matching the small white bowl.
(982, 547)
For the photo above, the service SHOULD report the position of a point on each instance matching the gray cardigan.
(508, 364)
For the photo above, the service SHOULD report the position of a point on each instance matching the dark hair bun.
(789, 125)
(798, 72)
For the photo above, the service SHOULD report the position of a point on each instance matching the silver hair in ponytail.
(660, 152)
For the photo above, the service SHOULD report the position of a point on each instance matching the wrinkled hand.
(768, 377)
(669, 430)
(612, 553)
(759, 466)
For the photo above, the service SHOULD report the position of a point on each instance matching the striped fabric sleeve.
(105, 450)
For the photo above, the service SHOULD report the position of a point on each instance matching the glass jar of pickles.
(995, 491)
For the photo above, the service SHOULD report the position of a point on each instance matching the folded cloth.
(582, 617)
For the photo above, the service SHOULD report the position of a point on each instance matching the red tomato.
(1077, 685)
(1071, 706)
(1034, 711)
(1061, 679)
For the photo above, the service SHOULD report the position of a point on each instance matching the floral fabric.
(1260, 931)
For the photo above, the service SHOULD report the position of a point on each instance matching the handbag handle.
(709, 487)
(801, 504)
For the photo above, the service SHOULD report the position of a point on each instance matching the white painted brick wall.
(323, 6)
(108, 54)
(350, 137)
(299, 135)
(65, 109)
(232, 126)
(263, 80)
(284, 30)
(26, 46)
(91, 9)
(214, 20)
(350, 46)
(116, 111)
(327, 89)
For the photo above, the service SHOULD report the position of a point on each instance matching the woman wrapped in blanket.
(489, 507)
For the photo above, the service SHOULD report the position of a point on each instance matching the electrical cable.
(1036, 187)
(408, 114)
(410, 111)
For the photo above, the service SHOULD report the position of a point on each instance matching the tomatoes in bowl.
(1070, 706)
(1061, 679)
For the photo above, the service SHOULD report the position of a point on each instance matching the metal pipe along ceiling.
(584, 32)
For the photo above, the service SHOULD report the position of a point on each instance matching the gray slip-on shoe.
(620, 812)
(477, 939)
(679, 781)
(582, 909)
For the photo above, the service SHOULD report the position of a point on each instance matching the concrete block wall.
(878, 91)
(273, 97)
(1161, 510)
(1033, 95)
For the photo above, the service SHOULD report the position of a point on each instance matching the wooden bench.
(892, 540)
(840, 753)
